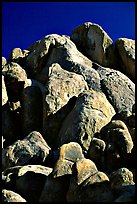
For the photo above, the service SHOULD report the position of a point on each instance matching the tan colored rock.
(88, 184)
(4, 92)
(10, 196)
(94, 43)
(32, 148)
(68, 154)
(54, 49)
(17, 53)
(61, 86)
(4, 61)
(126, 50)
(92, 111)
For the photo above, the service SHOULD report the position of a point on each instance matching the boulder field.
(68, 119)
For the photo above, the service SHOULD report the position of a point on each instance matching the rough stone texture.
(90, 75)
(94, 43)
(68, 154)
(4, 92)
(30, 181)
(87, 183)
(96, 152)
(15, 79)
(4, 61)
(55, 189)
(68, 118)
(118, 88)
(60, 88)
(91, 112)
(31, 107)
(121, 177)
(32, 149)
(126, 50)
(119, 144)
(10, 196)
(54, 49)
(17, 53)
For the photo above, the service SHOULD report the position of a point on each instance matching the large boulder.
(94, 43)
(118, 88)
(126, 51)
(53, 49)
(33, 149)
(88, 184)
(91, 112)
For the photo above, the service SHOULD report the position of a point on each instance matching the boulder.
(53, 49)
(126, 51)
(33, 149)
(118, 88)
(94, 43)
(10, 196)
(88, 184)
(91, 112)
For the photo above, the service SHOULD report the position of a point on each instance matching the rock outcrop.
(68, 119)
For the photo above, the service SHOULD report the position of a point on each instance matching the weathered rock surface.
(91, 112)
(126, 51)
(68, 119)
(94, 43)
(32, 149)
(10, 196)
(118, 88)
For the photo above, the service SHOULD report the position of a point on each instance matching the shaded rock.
(125, 193)
(118, 143)
(10, 196)
(88, 184)
(91, 112)
(118, 88)
(94, 43)
(54, 122)
(126, 51)
(54, 49)
(121, 177)
(15, 79)
(55, 189)
(4, 92)
(61, 86)
(96, 152)
(68, 154)
(90, 75)
(30, 181)
(10, 131)
(32, 149)
(31, 107)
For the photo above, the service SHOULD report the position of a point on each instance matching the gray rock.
(126, 51)
(33, 149)
(118, 88)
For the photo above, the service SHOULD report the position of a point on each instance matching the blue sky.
(23, 23)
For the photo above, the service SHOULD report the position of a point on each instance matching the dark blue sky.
(23, 23)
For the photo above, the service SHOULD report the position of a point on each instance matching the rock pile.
(68, 119)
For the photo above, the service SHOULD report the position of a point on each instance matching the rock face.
(68, 119)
